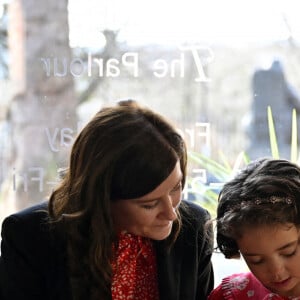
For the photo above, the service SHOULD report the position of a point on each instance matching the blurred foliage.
(205, 188)
(205, 192)
(273, 139)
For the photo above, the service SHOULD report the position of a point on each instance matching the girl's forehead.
(261, 230)
(264, 239)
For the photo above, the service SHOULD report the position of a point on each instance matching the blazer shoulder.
(30, 223)
(37, 211)
(194, 213)
(33, 262)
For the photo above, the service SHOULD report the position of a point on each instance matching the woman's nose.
(169, 209)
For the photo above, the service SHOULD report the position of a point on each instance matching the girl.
(258, 217)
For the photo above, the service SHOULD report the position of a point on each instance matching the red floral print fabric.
(134, 269)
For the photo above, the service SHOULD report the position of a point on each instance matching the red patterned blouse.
(134, 269)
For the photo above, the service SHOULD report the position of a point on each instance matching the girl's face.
(151, 215)
(272, 253)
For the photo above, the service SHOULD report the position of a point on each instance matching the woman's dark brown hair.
(124, 152)
(266, 192)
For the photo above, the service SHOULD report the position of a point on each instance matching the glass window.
(225, 72)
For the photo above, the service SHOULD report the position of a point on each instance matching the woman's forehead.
(174, 178)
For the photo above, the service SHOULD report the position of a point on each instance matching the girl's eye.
(257, 262)
(290, 254)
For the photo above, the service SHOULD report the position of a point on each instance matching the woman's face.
(151, 215)
(272, 253)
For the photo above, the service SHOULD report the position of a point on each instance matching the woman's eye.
(177, 187)
(149, 206)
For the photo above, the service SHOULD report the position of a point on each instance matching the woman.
(116, 227)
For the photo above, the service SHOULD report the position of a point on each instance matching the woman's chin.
(161, 232)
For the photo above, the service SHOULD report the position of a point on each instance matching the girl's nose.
(276, 268)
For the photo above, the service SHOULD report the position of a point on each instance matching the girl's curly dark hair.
(247, 200)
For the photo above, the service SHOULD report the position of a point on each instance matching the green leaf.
(220, 172)
(294, 142)
(272, 133)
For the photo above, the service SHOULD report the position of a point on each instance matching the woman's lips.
(165, 225)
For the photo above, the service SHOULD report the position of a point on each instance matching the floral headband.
(274, 200)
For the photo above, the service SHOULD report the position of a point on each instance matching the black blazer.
(33, 261)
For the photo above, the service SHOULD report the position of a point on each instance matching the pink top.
(244, 286)
(134, 270)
